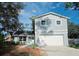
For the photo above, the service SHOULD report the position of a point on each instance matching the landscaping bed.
(6, 49)
(21, 50)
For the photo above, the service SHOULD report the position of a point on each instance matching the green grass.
(33, 46)
(75, 46)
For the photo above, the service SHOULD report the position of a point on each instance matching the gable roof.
(52, 13)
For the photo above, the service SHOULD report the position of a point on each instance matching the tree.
(73, 5)
(33, 23)
(33, 27)
(73, 30)
(9, 12)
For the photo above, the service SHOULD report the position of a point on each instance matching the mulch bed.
(25, 51)
(5, 50)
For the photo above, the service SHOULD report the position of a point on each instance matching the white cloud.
(53, 7)
(22, 11)
(34, 10)
(58, 4)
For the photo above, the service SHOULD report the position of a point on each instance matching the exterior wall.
(29, 39)
(54, 28)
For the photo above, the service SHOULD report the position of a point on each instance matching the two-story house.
(52, 29)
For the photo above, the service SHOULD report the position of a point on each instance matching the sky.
(38, 8)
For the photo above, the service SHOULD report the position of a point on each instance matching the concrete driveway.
(61, 51)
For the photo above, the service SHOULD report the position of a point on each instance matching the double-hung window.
(43, 22)
(58, 22)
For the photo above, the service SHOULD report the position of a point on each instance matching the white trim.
(53, 13)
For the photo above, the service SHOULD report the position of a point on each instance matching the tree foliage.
(9, 12)
(33, 23)
(72, 5)
(73, 30)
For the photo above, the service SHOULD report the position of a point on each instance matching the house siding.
(56, 29)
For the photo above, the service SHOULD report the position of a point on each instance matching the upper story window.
(43, 22)
(58, 22)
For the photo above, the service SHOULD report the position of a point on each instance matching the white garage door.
(52, 40)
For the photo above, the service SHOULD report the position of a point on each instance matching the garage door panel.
(52, 40)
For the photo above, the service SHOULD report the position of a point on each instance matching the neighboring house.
(24, 39)
(51, 29)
